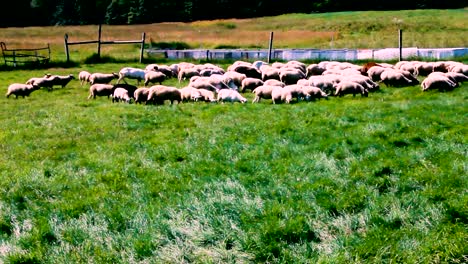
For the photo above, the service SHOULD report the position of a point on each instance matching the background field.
(347, 180)
(354, 30)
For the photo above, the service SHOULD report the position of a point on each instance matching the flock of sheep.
(280, 82)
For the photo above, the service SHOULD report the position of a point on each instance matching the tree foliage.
(22, 13)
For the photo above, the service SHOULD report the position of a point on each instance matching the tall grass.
(362, 30)
(347, 180)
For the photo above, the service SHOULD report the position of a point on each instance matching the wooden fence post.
(66, 48)
(99, 42)
(400, 44)
(270, 47)
(142, 46)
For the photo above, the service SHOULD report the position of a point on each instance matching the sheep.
(274, 82)
(185, 73)
(314, 69)
(296, 91)
(248, 70)
(103, 78)
(291, 76)
(189, 93)
(131, 73)
(130, 88)
(458, 77)
(270, 73)
(279, 95)
(160, 93)
(395, 78)
(313, 93)
(34, 79)
(63, 80)
(348, 87)
(83, 76)
(141, 95)
(263, 92)
(236, 77)
(154, 77)
(21, 89)
(440, 82)
(47, 82)
(374, 73)
(214, 82)
(121, 94)
(100, 89)
(250, 83)
(228, 95)
(206, 96)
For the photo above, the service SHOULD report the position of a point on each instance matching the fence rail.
(100, 42)
(15, 57)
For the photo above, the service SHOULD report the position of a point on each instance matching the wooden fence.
(100, 42)
(33, 56)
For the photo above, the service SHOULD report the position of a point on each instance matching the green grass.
(347, 180)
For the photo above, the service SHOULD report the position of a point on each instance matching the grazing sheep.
(103, 78)
(206, 96)
(395, 78)
(291, 76)
(314, 69)
(250, 83)
(100, 89)
(189, 93)
(141, 95)
(160, 93)
(131, 73)
(130, 88)
(154, 77)
(214, 82)
(263, 92)
(187, 73)
(440, 82)
(313, 93)
(21, 89)
(348, 87)
(229, 95)
(374, 73)
(83, 76)
(274, 82)
(236, 77)
(121, 94)
(280, 95)
(270, 73)
(248, 70)
(458, 77)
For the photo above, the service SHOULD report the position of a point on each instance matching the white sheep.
(348, 87)
(229, 95)
(250, 83)
(100, 89)
(438, 81)
(263, 92)
(63, 80)
(47, 82)
(131, 73)
(206, 96)
(154, 77)
(313, 93)
(141, 95)
(34, 79)
(120, 94)
(103, 78)
(83, 77)
(21, 89)
(161, 93)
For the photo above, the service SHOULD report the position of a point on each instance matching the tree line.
(23, 13)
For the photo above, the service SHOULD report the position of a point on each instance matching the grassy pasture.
(347, 180)
(355, 30)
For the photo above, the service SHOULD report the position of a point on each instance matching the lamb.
(121, 94)
(313, 93)
(141, 95)
(229, 95)
(83, 76)
(100, 89)
(103, 78)
(250, 83)
(348, 87)
(154, 77)
(131, 73)
(21, 89)
(160, 93)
